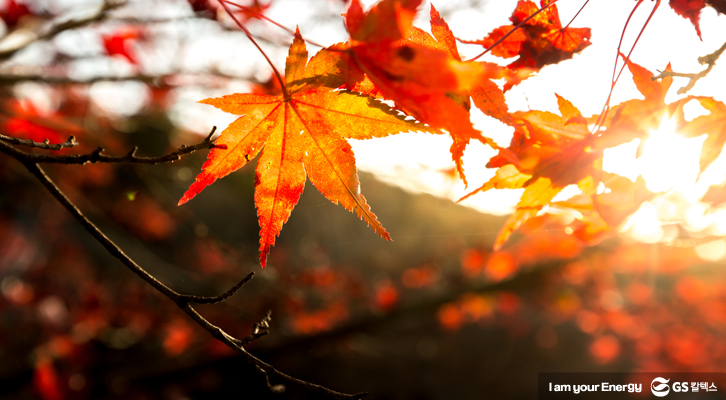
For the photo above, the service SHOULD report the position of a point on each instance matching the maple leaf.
(552, 146)
(552, 151)
(635, 118)
(691, 9)
(713, 125)
(423, 76)
(303, 133)
(540, 41)
(487, 96)
(601, 214)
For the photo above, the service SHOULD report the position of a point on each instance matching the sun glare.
(669, 163)
(668, 160)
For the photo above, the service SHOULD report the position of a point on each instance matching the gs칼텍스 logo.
(660, 387)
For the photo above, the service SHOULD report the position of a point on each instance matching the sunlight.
(668, 160)
(668, 163)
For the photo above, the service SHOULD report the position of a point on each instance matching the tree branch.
(183, 301)
(97, 155)
(709, 60)
(222, 297)
(71, 142)
(260, 329)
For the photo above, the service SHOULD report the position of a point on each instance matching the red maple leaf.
(540, 41)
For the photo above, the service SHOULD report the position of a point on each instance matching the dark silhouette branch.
(97, 156)
(277, 389)
(183, 301)
(71, 142)
(260, 329)
(709, 60)
(222, 297)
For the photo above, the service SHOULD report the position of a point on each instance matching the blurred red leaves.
(421, 277)
(121, 43)
(386, 296)
(46, 380)
(321, 320)
(144, 217)
(178, 336)
(12, 11)
(605, 349)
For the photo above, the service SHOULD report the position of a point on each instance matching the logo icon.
(660, 387)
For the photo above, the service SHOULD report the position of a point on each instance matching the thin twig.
(708, 60)
(260, 329)
(277, 389)
(71, 142)
(268, 19)
(254, 42)
(222, 297)
(97, 156)
(183, 301)
(606, 108)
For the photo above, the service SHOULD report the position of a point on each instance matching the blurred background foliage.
(433, 315)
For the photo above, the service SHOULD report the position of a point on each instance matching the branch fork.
(184, 301)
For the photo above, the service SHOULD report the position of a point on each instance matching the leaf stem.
(266, 18)
(606, 107)
(252, 39)
(578, 13)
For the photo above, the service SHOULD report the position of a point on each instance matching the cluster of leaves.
(335, 96)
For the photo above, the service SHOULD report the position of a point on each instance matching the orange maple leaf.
(487, 96)
(303, 133)
(540, 41)
(552, 151)
(423, 76)
(601, 213)
(712, 124)
(635, 118)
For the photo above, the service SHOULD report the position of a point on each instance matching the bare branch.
(260, 329)
(181, 300)
(97, 155)
(54, 29)
(222, 297)
(71, 142)
(709, 60)
(277, 389)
